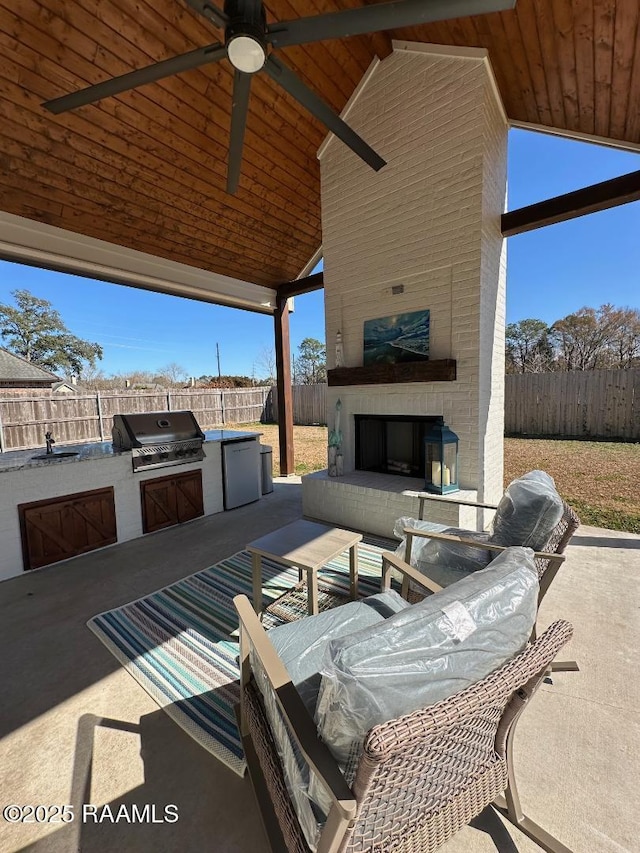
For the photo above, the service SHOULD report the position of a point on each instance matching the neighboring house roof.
(65, 386)
(14, 368)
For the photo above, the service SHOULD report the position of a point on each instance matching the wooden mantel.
(441, 370)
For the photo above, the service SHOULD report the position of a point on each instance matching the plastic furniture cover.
(300, 646)
(423, 654)
(528, 512)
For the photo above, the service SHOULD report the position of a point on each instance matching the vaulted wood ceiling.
(146, 169)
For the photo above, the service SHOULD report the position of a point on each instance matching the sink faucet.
(48, 437)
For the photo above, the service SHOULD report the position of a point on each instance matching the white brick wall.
(430, 220)
(373, 502)
(493, 313)
(65, 478)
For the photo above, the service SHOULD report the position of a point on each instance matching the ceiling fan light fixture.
(249, 43)
(246, 53)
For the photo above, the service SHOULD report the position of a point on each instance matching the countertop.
(15, 460)
(228, 435)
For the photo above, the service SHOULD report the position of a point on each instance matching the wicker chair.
(420, 778)
(547, 561)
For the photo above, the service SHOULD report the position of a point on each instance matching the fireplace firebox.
(392, 444)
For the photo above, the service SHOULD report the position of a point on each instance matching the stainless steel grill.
(158, 439)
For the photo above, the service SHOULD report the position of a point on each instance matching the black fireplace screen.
(392, 444)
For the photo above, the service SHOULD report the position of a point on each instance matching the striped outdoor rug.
(178, 642)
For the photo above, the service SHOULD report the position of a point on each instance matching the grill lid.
(140, 429)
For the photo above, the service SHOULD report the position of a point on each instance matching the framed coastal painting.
(401, 337)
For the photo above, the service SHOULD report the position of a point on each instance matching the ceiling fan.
(248, 42)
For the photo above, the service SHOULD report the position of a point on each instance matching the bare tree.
(92, 377)
(266, 363)
(587, 338)
(624, 346)
(171, 374)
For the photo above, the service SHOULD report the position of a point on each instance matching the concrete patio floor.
(76, 728)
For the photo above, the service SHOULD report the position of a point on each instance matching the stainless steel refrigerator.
(240, 472)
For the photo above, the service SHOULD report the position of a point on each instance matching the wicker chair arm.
(299, 722)
(474, 543)
(392, 561)
(523, 673)
(547, 563)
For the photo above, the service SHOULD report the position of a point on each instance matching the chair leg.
(509, 806)
(565, 666)
(531, 829)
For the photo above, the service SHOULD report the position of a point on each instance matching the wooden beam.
(441, 370)
(300, 286)
(381, 44)
(591, 199)
(283, 383)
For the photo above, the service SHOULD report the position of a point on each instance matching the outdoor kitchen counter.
(24, 480)
(16, 460)
(228, 435)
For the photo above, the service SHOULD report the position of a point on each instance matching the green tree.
(310, 367)
(528, 348)
(34, 329)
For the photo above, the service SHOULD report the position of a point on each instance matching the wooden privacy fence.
(89, 417)
(580, 404)
(309, 405)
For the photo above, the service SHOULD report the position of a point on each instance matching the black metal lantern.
(441, 460)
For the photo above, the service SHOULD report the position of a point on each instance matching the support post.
(99, 410)
(285, 395)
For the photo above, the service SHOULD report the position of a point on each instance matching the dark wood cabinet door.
(66, 526)
(158, 504)
(189, 499)
(171, 500)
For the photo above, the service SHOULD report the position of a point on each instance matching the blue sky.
(550, 273)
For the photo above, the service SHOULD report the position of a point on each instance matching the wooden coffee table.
(308, 547)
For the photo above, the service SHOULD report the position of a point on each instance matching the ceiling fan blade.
(133, 79)
(295, 87)
(239, 110)
(209, 11)
(379, 16)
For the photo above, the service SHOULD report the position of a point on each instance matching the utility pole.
(218, 355)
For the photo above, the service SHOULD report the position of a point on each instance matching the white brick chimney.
(429, 221)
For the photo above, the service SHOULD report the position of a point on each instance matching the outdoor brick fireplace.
(421, 234)
(391, 444)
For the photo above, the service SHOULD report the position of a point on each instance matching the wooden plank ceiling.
(146, 169)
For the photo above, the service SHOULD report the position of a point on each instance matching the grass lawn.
(600, 479)
(310, 443)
